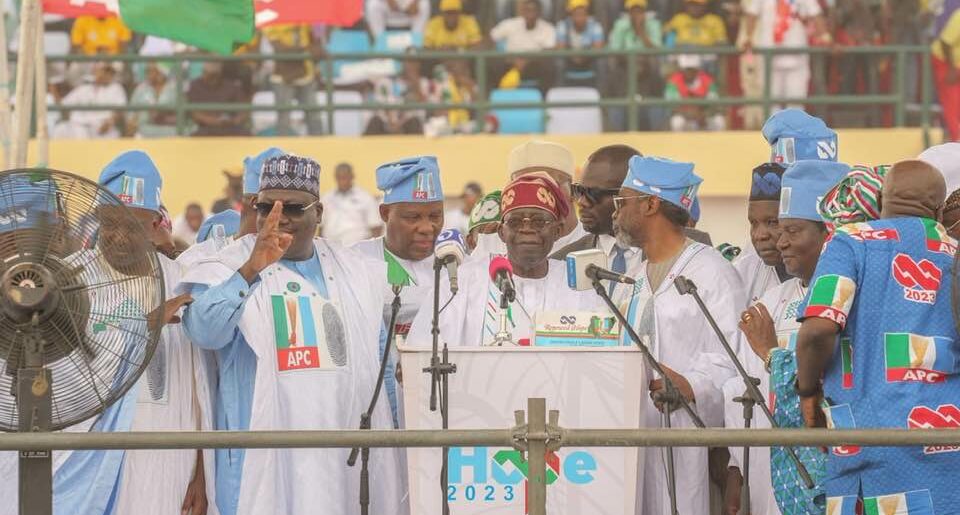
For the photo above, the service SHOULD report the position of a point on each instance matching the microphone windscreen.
(336, 335)
(499, 264)
(577, 263)
(450, 243)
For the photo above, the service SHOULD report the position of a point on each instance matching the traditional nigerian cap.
(540, 156)
(485, 211)
(673, 181)
(27, 202)
(794, 135)
(695, 210)
(229, 220)
(251, 169)
(856, 198)
(290, 172)
(805, 183)
(576, 4)
(765, 182)
(450, 5)
(134, 179)
(537, 190)
(945, 158)
(416, 179)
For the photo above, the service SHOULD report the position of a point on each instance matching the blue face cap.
(26, 203)
(411, 180)
(804, 184)
(794, 136)
(134, 178)
(672, 181)
(229, 220)
(251, 169)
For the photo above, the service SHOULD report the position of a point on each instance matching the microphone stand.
(751, 396)
(671, 396)
(439, 372)
(366, 417)
(503, 336)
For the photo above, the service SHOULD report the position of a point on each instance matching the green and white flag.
(214, 25)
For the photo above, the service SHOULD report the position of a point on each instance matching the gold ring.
(746, 317)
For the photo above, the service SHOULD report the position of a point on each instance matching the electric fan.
(81, 296)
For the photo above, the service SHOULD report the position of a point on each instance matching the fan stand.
(35, 412)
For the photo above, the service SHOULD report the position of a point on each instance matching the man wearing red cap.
(533, 206)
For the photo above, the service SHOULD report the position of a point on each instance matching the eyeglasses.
(594, 195)
(618, 201)
(537, 224)
(289, 210)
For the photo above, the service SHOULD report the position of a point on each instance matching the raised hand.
(757, 325)
(271, 245)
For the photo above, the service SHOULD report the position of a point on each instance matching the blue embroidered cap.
(805, 183)
(229, 220)
(251, 169)
(26, 203)
(134, 179)
(794, 135)
(765, 182)
(673, 181)
(416, 179)
(695, 209)
(290, 172)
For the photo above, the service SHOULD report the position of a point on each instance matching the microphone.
(501, 273)
(449, 251)
(585, 266)
(684, 286)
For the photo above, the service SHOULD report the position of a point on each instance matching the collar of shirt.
(606, 243)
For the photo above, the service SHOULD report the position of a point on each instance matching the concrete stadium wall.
(191, 166)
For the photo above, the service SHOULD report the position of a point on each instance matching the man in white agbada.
(760, 266)
(412, 210)
(555, 160)
(351, 212)
(171, 395)
(533, 206)
(104, 90)
(651, 212)
(295, 321)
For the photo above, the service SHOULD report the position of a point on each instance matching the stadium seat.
(574, 120)
(347, 41)
(345, 122)
(264, 122)
(518, 121)
(398, 41)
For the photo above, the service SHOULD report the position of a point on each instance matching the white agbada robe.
(471, 318)
(757, 277)
(782, 302)
(171, 395)
(492, 244)
(302, 481)
(681, 338)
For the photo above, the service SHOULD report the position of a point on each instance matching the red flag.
(75, 8)
(340, 13)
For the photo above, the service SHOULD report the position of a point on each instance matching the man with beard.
(770, 327)
(295, 322)
(412, 211)
(760, 267)
(533, 206)
(650, 213)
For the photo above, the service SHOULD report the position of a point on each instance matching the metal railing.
(535, 433)
(897, 98)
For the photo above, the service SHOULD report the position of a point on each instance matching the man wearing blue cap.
(770, 328)
(884, 295)
(251, 186)
(651, 212)
(170, 396)
(794, 135)
(295, 321)
(216, 232)
(412, 210)
(760, 266)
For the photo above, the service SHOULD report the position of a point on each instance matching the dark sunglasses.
(289, 210)
(619, 201)
(594, 195)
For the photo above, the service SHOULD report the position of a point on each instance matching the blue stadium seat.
(347, 41)
(518, 121)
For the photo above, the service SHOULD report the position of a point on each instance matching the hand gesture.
(167, 313)
(657, 387)
(271, 245)
(757, 325)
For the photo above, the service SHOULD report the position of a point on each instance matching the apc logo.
(507, 468)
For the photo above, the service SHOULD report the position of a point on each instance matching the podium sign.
(591, 387)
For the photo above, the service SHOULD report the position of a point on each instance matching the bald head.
(912, 188)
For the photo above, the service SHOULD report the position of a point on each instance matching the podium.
(601, 387)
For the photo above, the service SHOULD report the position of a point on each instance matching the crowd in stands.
(407, 27)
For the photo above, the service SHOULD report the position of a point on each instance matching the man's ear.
(319, 208)
(384, 212)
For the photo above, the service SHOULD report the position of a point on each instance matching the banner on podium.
(591, 387)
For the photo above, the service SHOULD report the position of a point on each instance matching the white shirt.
(757, 277)
(182, 230)
(796, 33)
(516, 38)
(93, 94)
(456, 219)
(349, 217)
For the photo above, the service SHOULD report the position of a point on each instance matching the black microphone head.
(684, 285)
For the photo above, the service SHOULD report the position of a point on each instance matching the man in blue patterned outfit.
(886, 292)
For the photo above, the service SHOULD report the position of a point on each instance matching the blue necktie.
(619, 265)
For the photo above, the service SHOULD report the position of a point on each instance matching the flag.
(846, 361)
(840, 416)
(916, 358)
(214, 25)
(907, 503)
(339, 13)
(396, 274)
(831, 298)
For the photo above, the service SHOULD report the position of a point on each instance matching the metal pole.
(632, 115)
(480, 64)
(43, 132)
(328, 88)
(5, 127)
(901, 76)
(178, 78)
(767, 79)
(537, 456)
(30, 13)
(927, 85)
